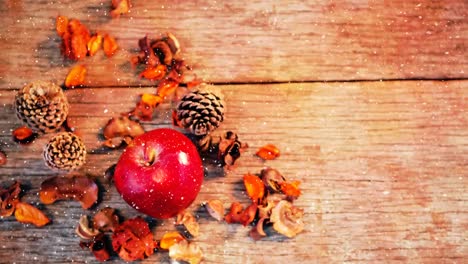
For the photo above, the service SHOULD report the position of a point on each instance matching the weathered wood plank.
(383, 165)
(248, 41)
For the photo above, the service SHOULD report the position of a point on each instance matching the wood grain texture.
(383, 167)
(248, 41)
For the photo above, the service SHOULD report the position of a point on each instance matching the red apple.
(160, 173)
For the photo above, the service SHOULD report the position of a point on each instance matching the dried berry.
(82, 189)
(215, 208)
(65, 151)
(76, 76)
(185, 251)
(28, 214)
(268, 152)
(169, 239)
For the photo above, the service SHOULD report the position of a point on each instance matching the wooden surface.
(383, 163)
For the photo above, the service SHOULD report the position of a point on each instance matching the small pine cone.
(201, 112)
(65, 151)
(42, 106)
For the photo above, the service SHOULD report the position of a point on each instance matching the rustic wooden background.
(366, 99)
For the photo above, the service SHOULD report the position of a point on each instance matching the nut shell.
(42, 106)
(65, 151)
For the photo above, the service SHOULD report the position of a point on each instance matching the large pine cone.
(201, 112)
(42, 106)
(65, 151)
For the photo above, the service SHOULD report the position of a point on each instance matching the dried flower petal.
(122, 127)
(76, 76)
(169, 239)
(82, 189)
(3, 158)
(84, 229)
(185, 251)
(9, 197)
(215, 208)
(154, 73)
(28, 214)
(109, 45)
(94, 44)
(151, 99)
(98, 246)
(133, 240)
(24, 135)
(254, 186)
(106, 220)
(120, 7)
(61, 25)
(189, 222)
(291, 189)
(287, 219)
(268, 152)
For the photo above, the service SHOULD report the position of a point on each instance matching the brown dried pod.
(287, 219)
(187, 220)
(82, 189)
(122, 126)
(42, 106)
(106, 220)
(215, 208)
(272, 179)
(84, 229)
(185, 251)
(9, 198)
(65, 151)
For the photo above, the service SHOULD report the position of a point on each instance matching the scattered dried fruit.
(166, 87)
(151, 100)
(185, 251)
(268, 152)
(154, 73)
(84, 229)
(76, 76)
(61, 25)
(109, 45)
(3, 158)
(230, 149)
(23, 135)
(9, 197)
(272, 179)
(106, 220)
(133, 240)
(255, 187)
(28, 214)
(123, 129)
(75, 37)
(291, 189)
(94, 44)
(287, 219)
(120, 7)
(169, 239)
(215, 208)
(257, 232)
(98, 246)
(82, 189)
(237, 214)
(189, 222)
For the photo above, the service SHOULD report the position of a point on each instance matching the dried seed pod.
(84, 229)
(215, 208)
(201, 112)
(82, 189)
(42, 106)
(268, 152)
(106, 220)
(169, 239)
(185, 251)
(287, 219)
(65, 151)
(189, 222)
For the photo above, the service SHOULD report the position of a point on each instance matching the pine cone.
(201, 112)
(42, 106)
(65, 151)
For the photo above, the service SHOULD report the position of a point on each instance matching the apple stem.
(150, 156)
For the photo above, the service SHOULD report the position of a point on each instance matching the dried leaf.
(120, 7)
(98, 246)
(3, 158)
(255, 187)
(109, 45)
(106, 220)
(154, 73)
(94, 44)
(76, 76)
(61, 25)
(84, 229)
(169, 239)
(133, 240)
(185, 251)
(82, 189)
(287, 219)
(291, 189)
(189, 222)
(9, 197)
(24, 135)
(28, 214)
(122, 127)
(268, 152)
(215, 208)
